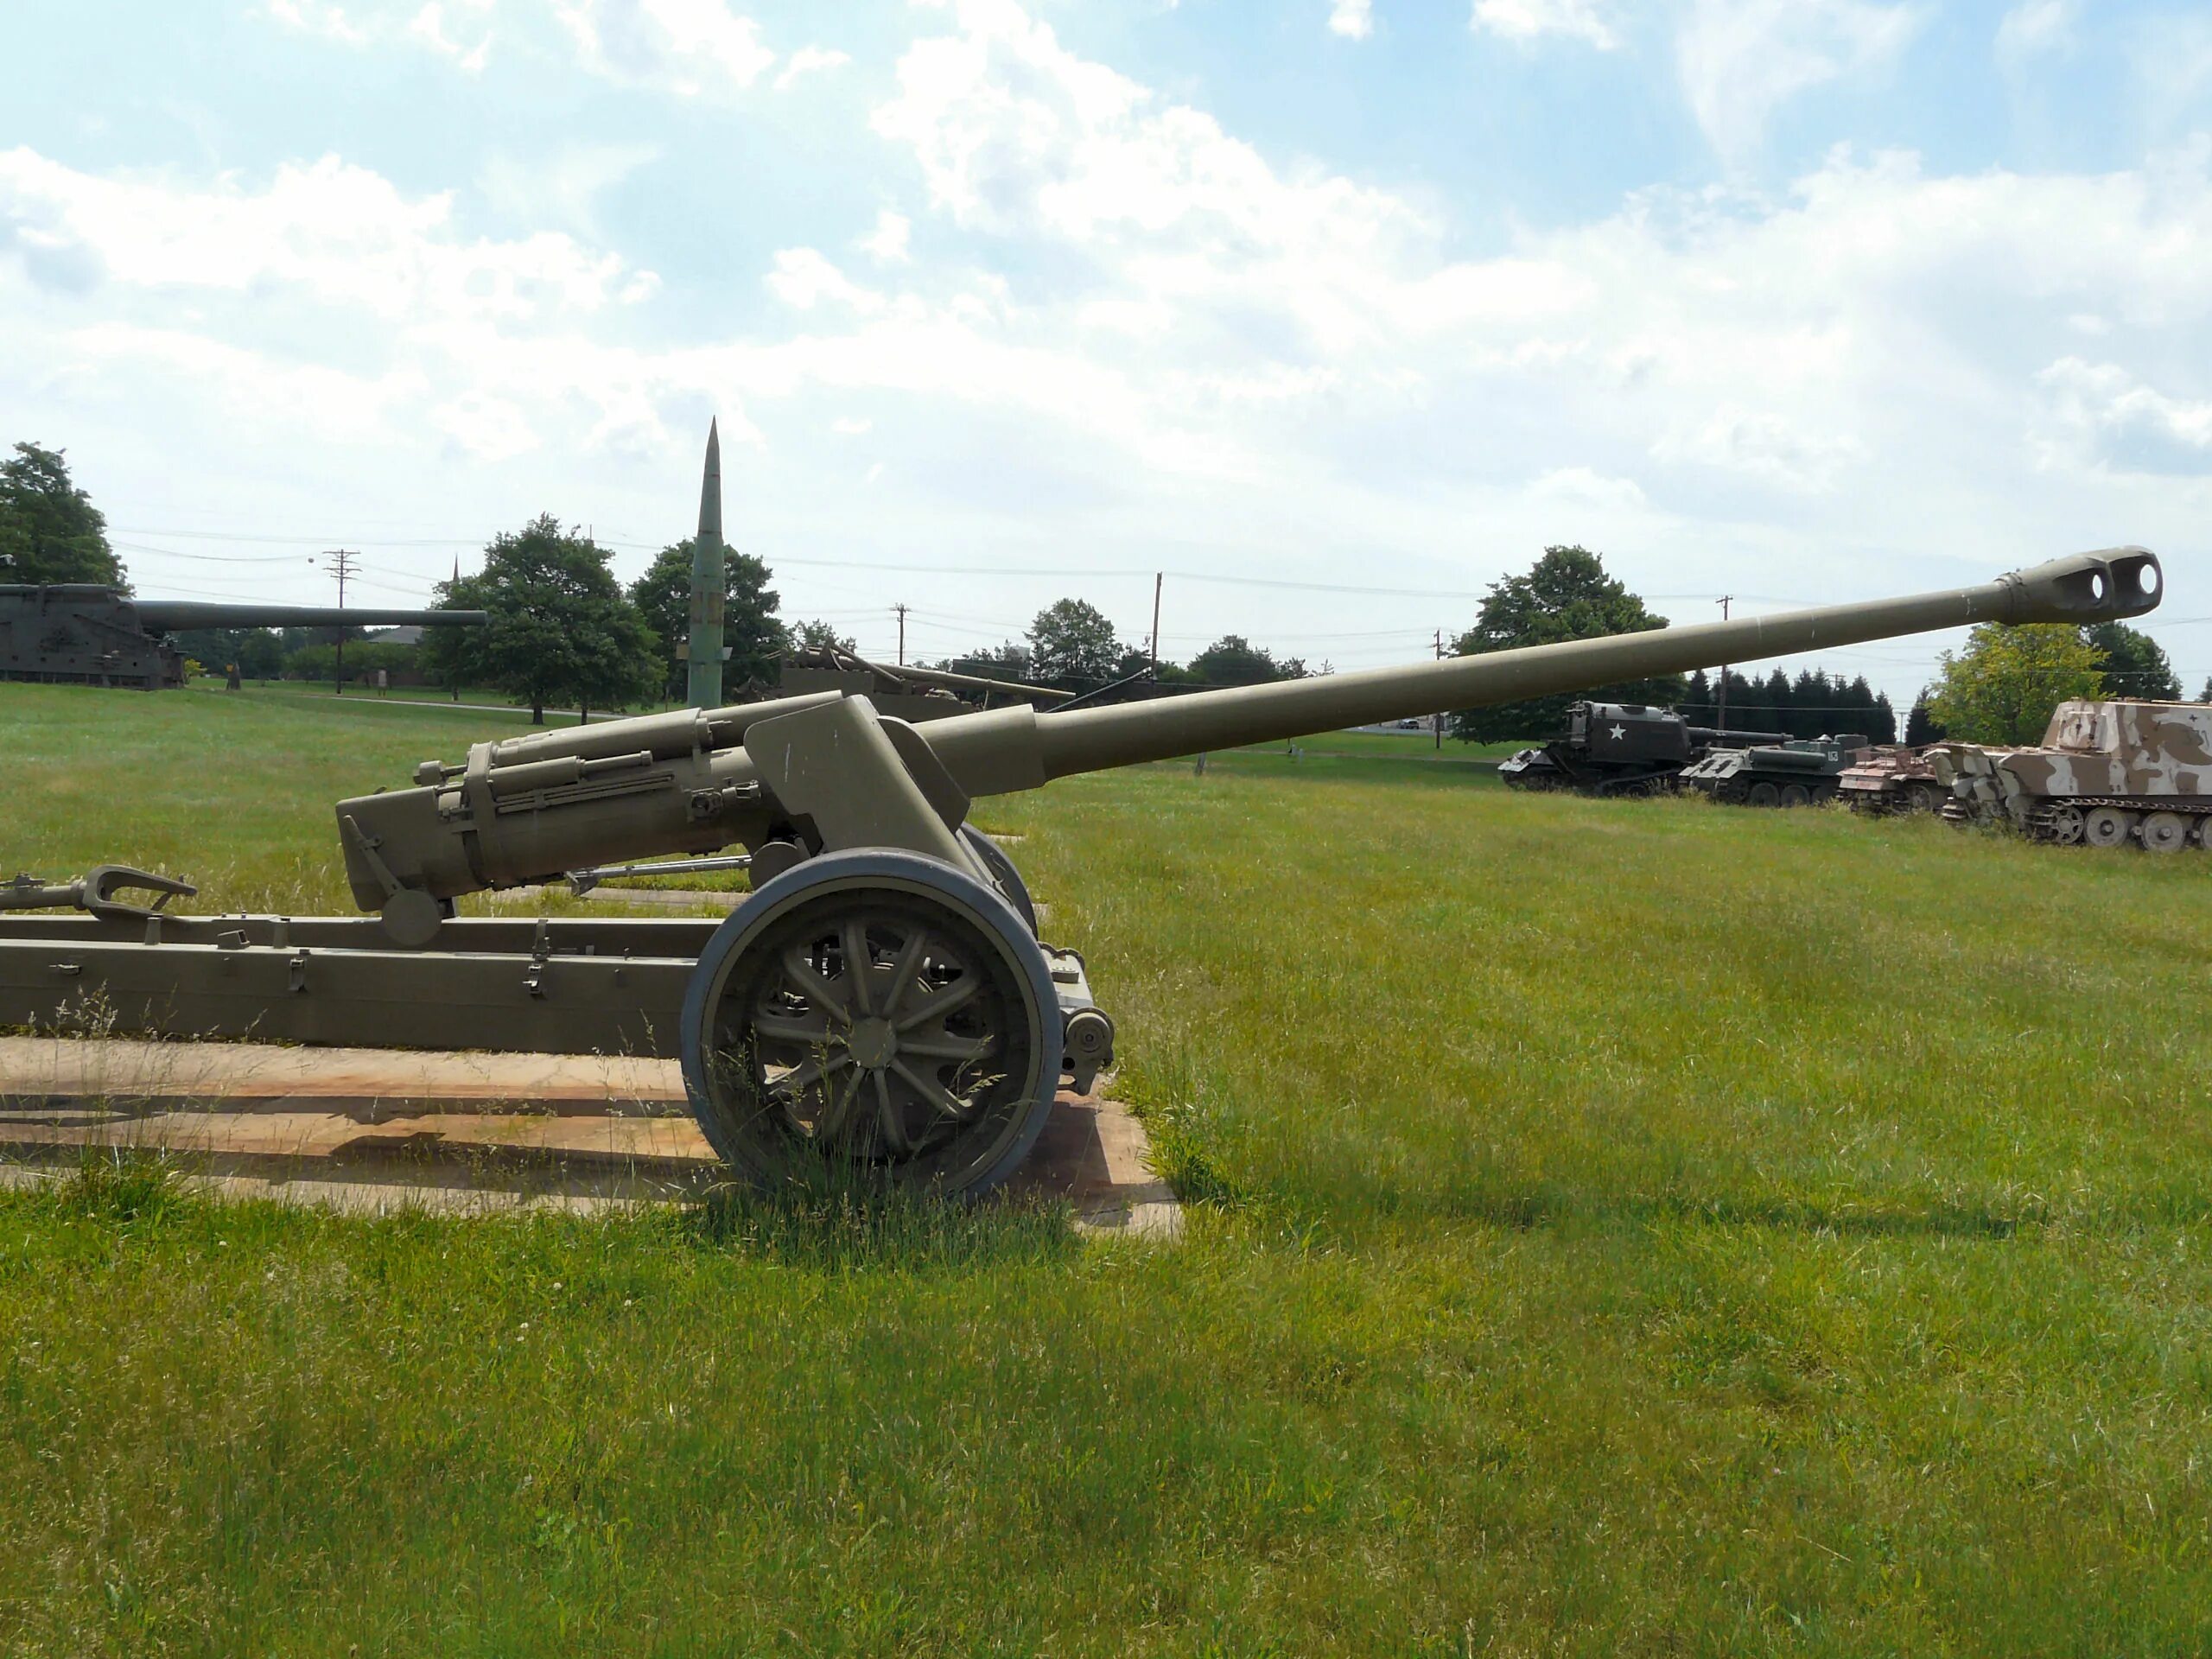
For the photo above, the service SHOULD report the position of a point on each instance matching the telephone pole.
(1721, 718)
(1156, 576)
(1437, 721)
(342, 566)
(902, 609)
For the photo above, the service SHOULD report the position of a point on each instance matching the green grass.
(1624, 1227)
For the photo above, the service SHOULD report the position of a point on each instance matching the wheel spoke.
(957, 995)
(889, 1117)
(814, 988)
(859, 965)
(945, 1046)
(904, 971)
(782, 1028)
(932, 1090)
(807, 1073)
(835, 1114)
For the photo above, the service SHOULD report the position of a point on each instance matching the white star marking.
(1618, 732)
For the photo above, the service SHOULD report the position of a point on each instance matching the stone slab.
(379, 1129)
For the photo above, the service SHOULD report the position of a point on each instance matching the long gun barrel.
(825, 773)
(176, 615)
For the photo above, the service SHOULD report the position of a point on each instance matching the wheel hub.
(873, 1044)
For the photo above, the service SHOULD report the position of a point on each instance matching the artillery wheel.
(2066, 828)
(2164, 832)
(1003, 871)
(1920, 797)
(879, 1007)
(1763, 794)
(2107, 826)
(1796, 795)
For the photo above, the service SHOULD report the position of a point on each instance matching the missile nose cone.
(711, 486)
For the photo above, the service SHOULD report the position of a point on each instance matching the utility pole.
(1721, 719)
(902, 609)
(342, 566)
(1437, 721)
(1156, 576)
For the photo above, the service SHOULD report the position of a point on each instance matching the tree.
(1234, 660)
(1003, 662)
(2205, 696)
(257, 652)
(561, 627)
(751, 629)
(1072, 643)
(2002, 688)
(49, 526)
(2135, 665)
(820, 636)
(1921, 726)
(1565, 595)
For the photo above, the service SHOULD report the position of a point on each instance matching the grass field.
(1627, 1227)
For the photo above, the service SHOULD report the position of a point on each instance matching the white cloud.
(320, 17)
(2035, 27)
(429, 26)
(810, 60)
(1765, 446)
(1353, 19)
(1740, 60)
(804, 279)
(1583, 486)
(2101, 415)
(454, 29)
(887, 241)
(849, 427)
(338, 233)
(561, 186)
(685, 46)
(487, 429)
(1526, 20)
(324, 303)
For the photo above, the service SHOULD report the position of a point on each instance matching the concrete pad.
(371, 1130)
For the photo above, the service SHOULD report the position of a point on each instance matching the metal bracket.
(840, 766)
(96, 893)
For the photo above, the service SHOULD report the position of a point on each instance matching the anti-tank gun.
(882, 991)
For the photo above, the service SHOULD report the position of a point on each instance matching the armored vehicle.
(78, 633)
(881, 995)
(1621, 748)
(907, 693)
(1892, 778)
(1800, 772)
(2106, 774)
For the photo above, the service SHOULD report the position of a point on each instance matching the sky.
(1333, 311)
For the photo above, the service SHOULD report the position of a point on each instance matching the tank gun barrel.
(176, 615)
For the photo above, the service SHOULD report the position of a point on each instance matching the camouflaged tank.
(2106, 774)
(1892, 778)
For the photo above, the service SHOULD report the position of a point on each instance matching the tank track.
(2196, 808)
